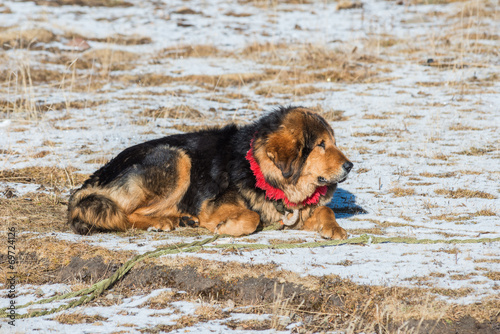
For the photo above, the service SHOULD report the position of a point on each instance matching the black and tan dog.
(284, 167)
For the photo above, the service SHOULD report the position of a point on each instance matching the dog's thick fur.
(205, 178)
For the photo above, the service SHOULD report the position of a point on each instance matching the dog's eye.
(322, 144)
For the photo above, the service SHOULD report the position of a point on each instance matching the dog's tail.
(91, 210)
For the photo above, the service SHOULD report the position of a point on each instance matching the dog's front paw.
(162, 224)
(189, 221)
(333, 232)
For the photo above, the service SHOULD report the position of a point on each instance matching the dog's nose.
(347, 166)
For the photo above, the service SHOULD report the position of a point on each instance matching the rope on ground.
(89, 294)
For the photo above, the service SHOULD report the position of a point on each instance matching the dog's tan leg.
(230, 219)
(323, 221)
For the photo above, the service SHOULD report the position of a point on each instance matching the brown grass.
(461, 127)
(464, 193)
(46, 176)
(369, 134)
(107, 60)
(474, 151)
(330, 114)
(373, 116)
(450, 217)
(177, 112)
(402, 192)
(206, 81)
(309, 64)
(77, 318)
(161, 301)
(493, 275)
(194, 127)
(439, 175)
(118, 39)
(283, 241)
(484, 212)
(207, 312)
(22, 39)
(39, 258)
(271, 90)
(24, 76)
(87, 3)
(368, 305)
(487, 260)
(454, 293)
(476, 9)
(249, 325)
(348, 4)
(185, 51)
(79, 104)
(373, 230)
(183, 322)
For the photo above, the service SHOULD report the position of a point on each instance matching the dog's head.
(297, 153)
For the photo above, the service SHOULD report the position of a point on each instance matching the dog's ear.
(284, 148)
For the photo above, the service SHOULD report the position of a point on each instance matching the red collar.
(276, 194)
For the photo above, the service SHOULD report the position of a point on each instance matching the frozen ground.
(421, 124)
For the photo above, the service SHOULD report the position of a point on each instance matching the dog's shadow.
(344, 204)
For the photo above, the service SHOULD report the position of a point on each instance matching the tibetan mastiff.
(232, 180)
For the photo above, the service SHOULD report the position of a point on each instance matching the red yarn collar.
(276, 194)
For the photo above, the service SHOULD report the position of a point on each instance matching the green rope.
(89, 294)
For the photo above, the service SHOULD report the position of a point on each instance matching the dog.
(283, 168)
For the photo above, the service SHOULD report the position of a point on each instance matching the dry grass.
(331, 115)
(21, 39)
(207, 312)
(347, 4)
(370, 134)
(373, 230)
(476, 9)
(194, 127)
(183, 322)
(287, 241)
(162, 300)
(484, 212)
(184, 51)
(402, 192)
(474, 151)
(372, 116)
(104, 61)
(249, 325)
(487, 260)
(464, 193)
(306, 65)
(177, 112)
(271, 90)
(362, 307)
(493, 275)
(451, 217)
(205, 81)
(40, 258)
(78, 104)
(77, 318)
(118, 39)
(46, 176)
(24, 76)
(461, 127)
(439, 175)
(86, 3)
